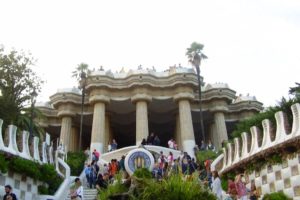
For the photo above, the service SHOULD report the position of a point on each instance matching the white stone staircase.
(88, 194)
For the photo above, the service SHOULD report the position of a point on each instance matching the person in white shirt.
(216, 185)
(171, 144)
(78, 193)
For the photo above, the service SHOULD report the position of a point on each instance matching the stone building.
(129, 106)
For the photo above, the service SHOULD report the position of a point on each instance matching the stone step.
(88, 194)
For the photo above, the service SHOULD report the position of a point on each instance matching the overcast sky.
(252, 45)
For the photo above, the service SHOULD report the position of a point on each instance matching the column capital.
(222, 109)
(99, 98)
(66, 113)
(183, 96)
(141, 97)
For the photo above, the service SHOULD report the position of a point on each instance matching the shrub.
(142, 173)
(204, 155)
(25, 167)
(45, 172)
(3, 163)
(42, 189)
(175, 188)
(276, 196)
(76, 162)
(113, 189)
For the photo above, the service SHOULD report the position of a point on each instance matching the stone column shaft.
(73, 144)
(177, 133)
(220, 128)
(142, 130)
(65, 131)
(186, 126)
(107, 133)
(98, 129)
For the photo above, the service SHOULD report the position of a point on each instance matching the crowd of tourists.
(100, 176)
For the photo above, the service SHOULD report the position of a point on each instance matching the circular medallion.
(138, 158)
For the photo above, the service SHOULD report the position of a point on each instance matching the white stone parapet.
(123, 74)
(229, 162)
(47, 152)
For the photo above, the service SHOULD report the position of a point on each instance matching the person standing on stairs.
(78, 193)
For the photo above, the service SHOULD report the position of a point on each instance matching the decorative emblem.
(138, 158)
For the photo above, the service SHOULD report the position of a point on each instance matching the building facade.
(127, 106)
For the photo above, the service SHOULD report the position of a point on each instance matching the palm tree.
(80, 69)
(195, 56)
(295, 90)
(80, 74)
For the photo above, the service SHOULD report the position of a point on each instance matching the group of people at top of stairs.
(153, 139)
(112, 145)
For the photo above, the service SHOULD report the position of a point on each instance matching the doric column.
(107, 133)
(220, 128)
(186, 123)
(66, 125)
(73, 146)
(142, 130)
(177, 132)
(98, 128)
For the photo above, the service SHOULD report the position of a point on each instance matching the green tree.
(80, 69)
(295, 90)
(195, 56)
(17, 83)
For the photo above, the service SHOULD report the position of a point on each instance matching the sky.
(252, 45)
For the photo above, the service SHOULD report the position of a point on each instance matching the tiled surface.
(25, 190)
(285, 178)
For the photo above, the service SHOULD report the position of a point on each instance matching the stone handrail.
(241, 152)
(46, 152)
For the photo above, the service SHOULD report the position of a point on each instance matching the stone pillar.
(142, 129)
(65, 131)
(186, 123)
(213, 136)
(107, 133)
(73, 146)
(178, 133)
(220, 127)
(98, 128)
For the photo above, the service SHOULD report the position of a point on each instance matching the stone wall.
(24, 187)
(284, 177)
(262, 143)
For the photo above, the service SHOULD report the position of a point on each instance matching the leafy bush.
(204, 155)
(50, 177)
(45, 173)
(276, 196)
(113, 189)
(175, 188)
(76, 162)
(25, 167)
(42, 189)
(3, 163)
(142, 173)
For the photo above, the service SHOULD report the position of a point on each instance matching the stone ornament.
(138, 158)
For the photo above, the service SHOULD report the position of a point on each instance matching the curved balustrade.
(282, 136)
(47, 156)
(236, 156)
(296, 117)
(281, 132)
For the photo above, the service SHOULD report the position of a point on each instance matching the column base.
(188, 146)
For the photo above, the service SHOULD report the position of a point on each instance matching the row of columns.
(100, 135)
